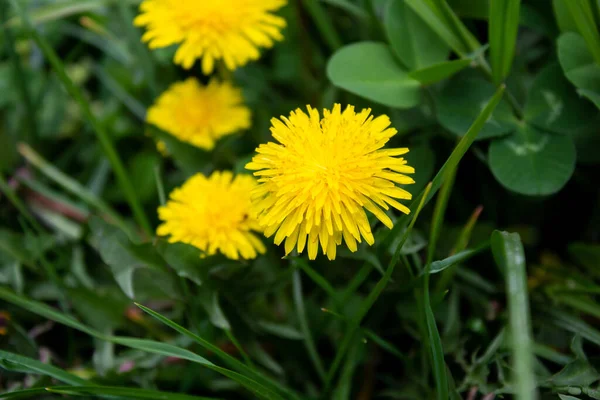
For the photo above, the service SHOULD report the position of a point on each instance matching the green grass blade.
(150, 346)
(301, 313)
(47, 312)
(324, 24)
(73, 187)
(433, 335)
(451, 163)
(510, 257)
(38, 367)
(371, 298)
(130, 393)
(23, 394)
(20, 77)
(502, 32)
(103, 138)
(582, 13)
(226, 358)
(315, 276)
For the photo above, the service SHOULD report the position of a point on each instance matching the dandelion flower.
(200, 115)
(213, 214)
(232, 30)
(317, 182)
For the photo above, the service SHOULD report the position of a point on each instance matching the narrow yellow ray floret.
(232, 31)
(317, 182)
(200, 115)
(213, 214)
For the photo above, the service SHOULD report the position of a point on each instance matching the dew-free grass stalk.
(434, 341)
(323, 23)
(105, 141)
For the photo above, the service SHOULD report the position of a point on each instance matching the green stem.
(103, 138)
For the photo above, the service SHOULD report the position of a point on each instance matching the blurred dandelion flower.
(213, 214)
(315, 184)
(200, 115)
(232, 30)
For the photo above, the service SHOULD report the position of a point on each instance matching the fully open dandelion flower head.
(213, 214)
(228, 30)
(200, 115)
(315, 184)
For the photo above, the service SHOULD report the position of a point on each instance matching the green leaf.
(461, 101)
(368, 69)
(510, 257)
(563, 17)
(579, 66)
(437, 72)
(553, 105)
(503, 27)
(532, 162)
(10, 360)
(129, 393)
(138, 269)
(411, 39)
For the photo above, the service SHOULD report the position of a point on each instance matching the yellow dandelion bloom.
(232, 31)
(315, 184)
(213, 214)
(200, 115)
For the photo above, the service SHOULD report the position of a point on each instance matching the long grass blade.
(503, 27)
(510, 257)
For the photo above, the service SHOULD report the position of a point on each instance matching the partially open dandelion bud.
(213, 30)
(213, 214)
(316, 183)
